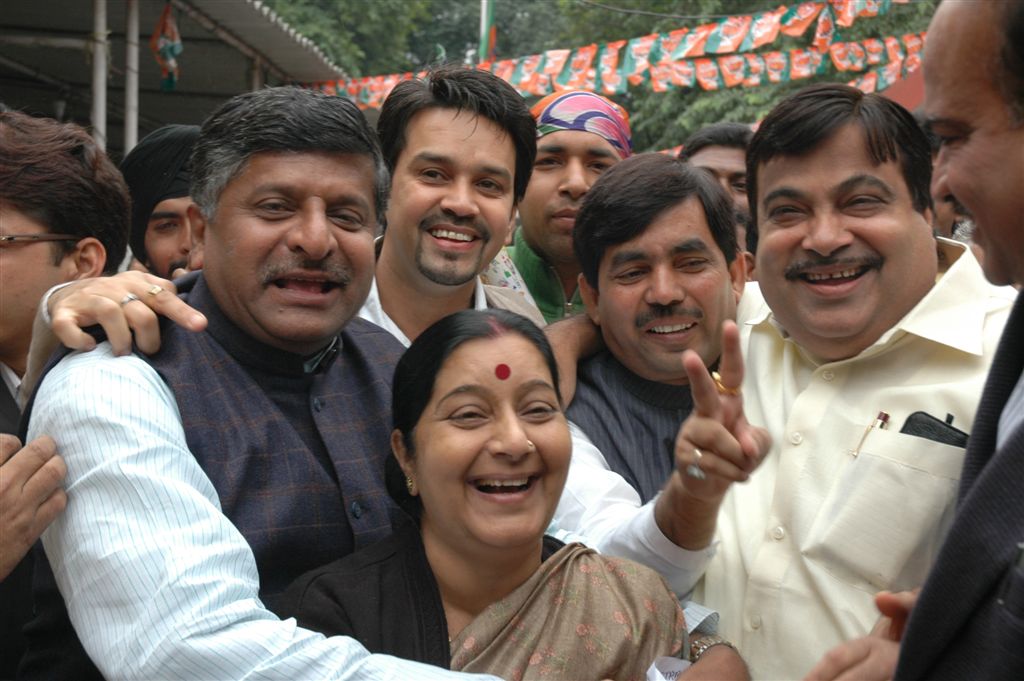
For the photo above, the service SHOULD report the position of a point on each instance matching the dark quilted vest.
(294, 512)
(280, 497)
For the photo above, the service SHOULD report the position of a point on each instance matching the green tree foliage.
(364, 37)
(368, 37)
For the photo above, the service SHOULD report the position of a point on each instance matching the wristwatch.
(700, 645)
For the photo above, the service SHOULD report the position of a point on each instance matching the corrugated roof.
(255, 24)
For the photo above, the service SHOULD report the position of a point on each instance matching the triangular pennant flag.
(638, 57)
(733, 68)
(824, 34)
(728, 34)
(692, 44)
(845, 12)
(579, 71)
(554, 62)
(777, 66)
(764, 29)
(875, 49)
(755, 70)
(796, 19)
(504, 69)
(708, 74)
(611, 81)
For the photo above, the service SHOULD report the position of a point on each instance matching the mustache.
(797, 269)
(336, 272)
(654, 312)
(958, 207)
(478, 226)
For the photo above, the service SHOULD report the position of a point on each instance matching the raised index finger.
(705, 395)
(730, 366)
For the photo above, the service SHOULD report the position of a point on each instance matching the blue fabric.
(631, 420)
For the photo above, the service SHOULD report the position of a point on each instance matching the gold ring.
(155, 290)
(722, 388)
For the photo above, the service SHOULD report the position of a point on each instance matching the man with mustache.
(661, 273)
(580, 135)
(460, 145)
(207, 476)
(866, 359)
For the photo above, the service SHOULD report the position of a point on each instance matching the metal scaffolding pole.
(99, 73)
(131, 75)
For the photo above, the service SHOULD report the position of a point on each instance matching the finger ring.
(155, 290)
(694, 470)
(722, 388)
(129, 297)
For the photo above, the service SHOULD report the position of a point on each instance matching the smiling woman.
(469, 581)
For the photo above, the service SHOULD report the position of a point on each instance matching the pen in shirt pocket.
(880, 422)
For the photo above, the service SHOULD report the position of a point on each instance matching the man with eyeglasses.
(63, 216)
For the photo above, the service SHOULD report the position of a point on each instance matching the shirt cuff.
(44, 304)
(681, 567)
(700, 619)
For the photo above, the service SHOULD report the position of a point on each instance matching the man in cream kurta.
(859, 335)
(817, 531)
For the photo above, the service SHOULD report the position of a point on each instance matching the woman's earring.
(409, 485)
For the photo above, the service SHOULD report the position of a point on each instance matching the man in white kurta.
(857, 319)
(817, 531)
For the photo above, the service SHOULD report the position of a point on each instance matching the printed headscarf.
(587, 112)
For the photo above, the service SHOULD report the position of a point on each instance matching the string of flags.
(710, 56)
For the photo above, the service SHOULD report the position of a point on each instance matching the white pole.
(131, 76)
(483, 30)
(99, 73)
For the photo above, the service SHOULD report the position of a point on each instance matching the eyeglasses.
(10, 239)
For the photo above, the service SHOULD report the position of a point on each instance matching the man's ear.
(590, 296)
(404, 461)
(511, 232)
(511, 226)
(929, 215)
(749, 257)
(197, 227)
(738, 274)
(87, 260)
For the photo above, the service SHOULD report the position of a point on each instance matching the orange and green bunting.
(721, 54)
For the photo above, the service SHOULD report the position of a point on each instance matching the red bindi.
(502, 371)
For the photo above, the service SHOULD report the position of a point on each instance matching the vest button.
(357, 510)
(318, 404)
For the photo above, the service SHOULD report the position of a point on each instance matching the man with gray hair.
(209, 475)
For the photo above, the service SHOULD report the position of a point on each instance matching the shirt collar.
(953, 312)
(11, 380)
(373, 311)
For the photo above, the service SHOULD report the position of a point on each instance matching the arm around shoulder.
(159, 583)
